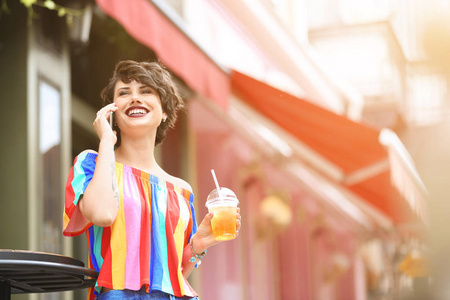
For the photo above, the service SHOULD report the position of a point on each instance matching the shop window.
(50, 166)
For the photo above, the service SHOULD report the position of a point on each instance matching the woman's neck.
(138, 153)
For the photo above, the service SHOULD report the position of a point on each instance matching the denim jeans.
(140, 295)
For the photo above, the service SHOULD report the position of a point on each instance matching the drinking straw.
(215, 181)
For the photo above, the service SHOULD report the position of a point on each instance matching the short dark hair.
(154, 75)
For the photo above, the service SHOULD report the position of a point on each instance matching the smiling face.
(138, 105)
(148, 74)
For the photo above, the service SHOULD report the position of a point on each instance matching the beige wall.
(13, 131)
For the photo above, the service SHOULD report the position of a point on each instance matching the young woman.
(140, 222)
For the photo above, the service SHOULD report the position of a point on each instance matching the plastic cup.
(224, 206)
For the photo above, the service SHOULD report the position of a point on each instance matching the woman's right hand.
(101, 123)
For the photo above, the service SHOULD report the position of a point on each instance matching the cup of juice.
(224, 205)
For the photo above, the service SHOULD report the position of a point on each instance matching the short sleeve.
(192, 225)
(193, 219)
(80, 176)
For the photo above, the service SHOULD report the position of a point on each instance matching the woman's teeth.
(137, 112)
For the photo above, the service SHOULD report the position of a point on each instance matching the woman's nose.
(135, 98)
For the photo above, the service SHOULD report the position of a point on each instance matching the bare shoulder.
(89, 151)
(180, 183)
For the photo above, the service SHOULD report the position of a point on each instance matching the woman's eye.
(146, 91)
(123, 93)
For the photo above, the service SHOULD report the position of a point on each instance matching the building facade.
(316, 224)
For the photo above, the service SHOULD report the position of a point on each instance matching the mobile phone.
(111, 122)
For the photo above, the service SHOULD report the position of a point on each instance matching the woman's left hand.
(204, 237)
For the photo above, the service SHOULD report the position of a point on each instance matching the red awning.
(147, 25)
(347, 145)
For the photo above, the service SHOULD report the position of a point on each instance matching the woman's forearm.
(188, 266)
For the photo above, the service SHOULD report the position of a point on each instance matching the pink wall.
(260, 264)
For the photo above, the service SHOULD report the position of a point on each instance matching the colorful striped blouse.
(144, 246)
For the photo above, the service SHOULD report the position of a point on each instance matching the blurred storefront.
(323, 217)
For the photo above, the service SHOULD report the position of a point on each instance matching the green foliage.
(50, 4)
(28, 3)
(62, 11)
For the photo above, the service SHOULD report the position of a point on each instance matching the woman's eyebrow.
(123, 88)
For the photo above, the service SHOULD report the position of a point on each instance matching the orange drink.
(224, 223)
(224, 205)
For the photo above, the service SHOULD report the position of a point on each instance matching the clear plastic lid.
(227, 198)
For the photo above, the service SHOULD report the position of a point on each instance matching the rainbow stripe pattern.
(144, 246)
